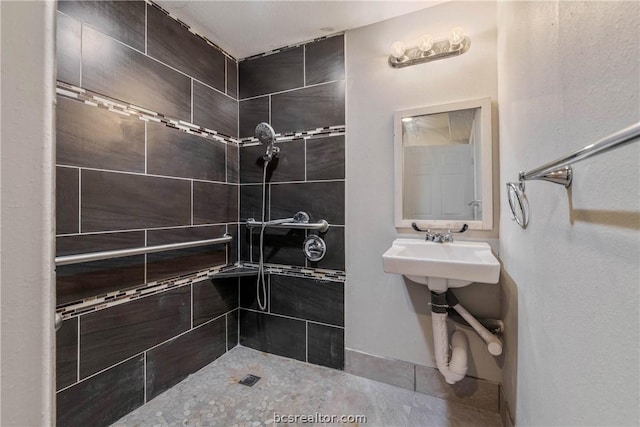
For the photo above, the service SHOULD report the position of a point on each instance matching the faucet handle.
(464, 228)
(449, 238)
(429, 236)
(415, 227)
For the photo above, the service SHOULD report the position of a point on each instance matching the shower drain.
(249, 380)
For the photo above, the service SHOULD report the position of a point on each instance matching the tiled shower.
(154, 146)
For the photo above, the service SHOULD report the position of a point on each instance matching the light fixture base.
(441, 49)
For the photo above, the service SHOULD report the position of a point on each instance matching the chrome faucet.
(439, 237)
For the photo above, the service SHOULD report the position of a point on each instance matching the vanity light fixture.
(428, 49)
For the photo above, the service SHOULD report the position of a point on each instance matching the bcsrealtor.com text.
(318, 418)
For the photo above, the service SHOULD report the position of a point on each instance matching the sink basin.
(442, 265)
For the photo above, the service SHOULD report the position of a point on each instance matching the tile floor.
(213, 397)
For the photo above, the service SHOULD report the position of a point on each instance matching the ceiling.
(246, 28)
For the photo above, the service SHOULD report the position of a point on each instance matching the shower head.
(267, 136)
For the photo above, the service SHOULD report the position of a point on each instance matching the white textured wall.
(26, 214)
(386, 316)
(568, 75)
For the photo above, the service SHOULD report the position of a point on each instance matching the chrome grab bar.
(321, 225)
(120, 253)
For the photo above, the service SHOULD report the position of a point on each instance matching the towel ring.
(519, 210)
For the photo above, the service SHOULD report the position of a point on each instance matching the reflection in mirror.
(443, 152)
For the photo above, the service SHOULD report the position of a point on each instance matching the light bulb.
(456, 36)
(397, 50)
(426, 43)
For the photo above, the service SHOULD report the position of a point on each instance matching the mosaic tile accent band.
(294, 136)
(119, 107)
(112, 299)
(144, 114)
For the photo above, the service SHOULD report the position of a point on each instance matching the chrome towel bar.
(560, 171)
(120, 253)
(321, 225)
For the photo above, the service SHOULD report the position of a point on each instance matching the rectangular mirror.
(443, 166)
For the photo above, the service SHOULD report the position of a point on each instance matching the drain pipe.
(455, 369)
(494, 345)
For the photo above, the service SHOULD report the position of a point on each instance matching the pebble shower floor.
(213, 397)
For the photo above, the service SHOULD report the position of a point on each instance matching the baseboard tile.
(474, 392)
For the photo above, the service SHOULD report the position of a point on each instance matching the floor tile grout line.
(243, 358)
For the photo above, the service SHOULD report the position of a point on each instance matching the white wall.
(26, 214)
(568, 75)
(386, 316)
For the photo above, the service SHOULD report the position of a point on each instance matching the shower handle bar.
(321, 225)
(120, 253)
(559, 171)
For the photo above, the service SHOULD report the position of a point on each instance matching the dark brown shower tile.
(232, 329)
(67, 201)
(251, 202)
(122, 20)
(273, 334)
(281, 246)
(309, 299)
(215, 110)
(214, 203)
(96, 138)
(116, 201)
(272, 73)
(308, 108)
(69, 245)
(79, 281)
(171, 362)
(120, 72)
(233, 163)
(233, 249)
(252, 112)
(334, 257)
(172, 152)
(245, 243)
(324, 60)
(325, 158)
(68, 49)
(104, 398)
(232, 78)
(321, 200)
(326, 346)
(213, 298)
(248, 288)
(288, 165)
(67, 353)
(171, 43)
(90, 279)
(111, 335)
(172, 263)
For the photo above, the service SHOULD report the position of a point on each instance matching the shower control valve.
(314, 248)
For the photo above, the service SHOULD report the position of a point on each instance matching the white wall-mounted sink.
(442, 265)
